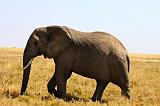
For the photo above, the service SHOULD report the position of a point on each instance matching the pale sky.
(136, 23)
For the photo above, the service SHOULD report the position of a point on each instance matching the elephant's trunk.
(30, 52)
(27, 60)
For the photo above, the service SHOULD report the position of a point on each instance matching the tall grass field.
(144, 78)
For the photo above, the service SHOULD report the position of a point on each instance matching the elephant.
(96, 55)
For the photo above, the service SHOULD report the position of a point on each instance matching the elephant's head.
(47, 41)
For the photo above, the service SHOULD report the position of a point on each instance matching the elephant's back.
(111, 42)
(100, 41)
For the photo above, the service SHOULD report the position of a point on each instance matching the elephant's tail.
(128, 62)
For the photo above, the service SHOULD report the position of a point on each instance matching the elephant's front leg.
(51, 85)
(61, 80)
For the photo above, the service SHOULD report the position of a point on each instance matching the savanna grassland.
(144, 83)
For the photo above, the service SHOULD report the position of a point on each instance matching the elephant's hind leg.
(124, 85)
(101, 85)
(121, 79)
(125, 90)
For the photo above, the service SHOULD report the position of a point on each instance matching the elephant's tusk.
(36, 37)
(28, 64)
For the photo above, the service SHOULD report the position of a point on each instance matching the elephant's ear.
(58, 39)
(55, 31)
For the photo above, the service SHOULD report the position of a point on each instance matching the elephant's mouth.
(47, 56)
(44, 55)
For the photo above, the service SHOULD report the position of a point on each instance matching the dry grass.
(145, 56)
(144, 82)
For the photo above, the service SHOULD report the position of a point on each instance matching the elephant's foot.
(52, 90)
(56, 93)
(60, 95)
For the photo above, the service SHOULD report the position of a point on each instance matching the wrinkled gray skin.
(96, 55)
